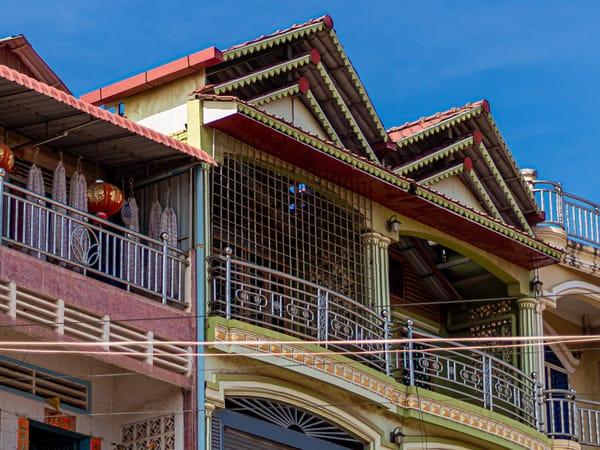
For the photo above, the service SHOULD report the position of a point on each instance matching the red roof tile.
(410, 128)
(98, 113)
(326, 20)
(155, 77)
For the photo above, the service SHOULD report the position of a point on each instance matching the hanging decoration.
(104, 199)
(80, 237)
(7, 158)
(35, 216)
(155, 213)
(59, 225)
(131, 219)
(168, 224)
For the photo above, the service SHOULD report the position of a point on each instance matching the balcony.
(59, 234)
(579, 218)
(306, 311)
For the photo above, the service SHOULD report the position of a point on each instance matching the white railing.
(568, 417)
(58, 233)
(579, 218)
(110, 335)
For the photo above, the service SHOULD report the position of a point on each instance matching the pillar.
(528, 327)
(376, 245)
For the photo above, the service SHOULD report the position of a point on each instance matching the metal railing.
(579, 218)
(468, 374)
(82, 242)
(296, 307)
(568, 417)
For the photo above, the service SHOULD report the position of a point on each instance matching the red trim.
(383, 148)
(485, 105)
(315, 56)
(304, 85)
(155, 77)
(468, 164)
(325, 166)
(477, 137)
(328, 21)
(81, 106)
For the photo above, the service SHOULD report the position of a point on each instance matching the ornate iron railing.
(299, 308)
(468, 374)
(64, 235)
(579, 218)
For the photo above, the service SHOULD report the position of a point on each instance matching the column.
(528, 328)
(376, 245)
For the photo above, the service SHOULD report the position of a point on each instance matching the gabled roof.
(306, 58)
(466, 142)
(18, 54)
(45, 115)
(274, 135)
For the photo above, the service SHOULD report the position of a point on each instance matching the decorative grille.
(277, 216)
(292, 418)
(490, 320)
(157, 433)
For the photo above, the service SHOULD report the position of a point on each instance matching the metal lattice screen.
(277, 216)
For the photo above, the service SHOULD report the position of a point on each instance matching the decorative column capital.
(376, 239)
(527, 303)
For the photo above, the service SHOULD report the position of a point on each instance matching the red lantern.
(104, 198)
(7, 159)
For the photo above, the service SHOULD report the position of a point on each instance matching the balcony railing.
(298, 308)
(568, 417)
(82, 242)
(470, 375)
(579, 218)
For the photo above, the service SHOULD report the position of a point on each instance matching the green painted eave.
(435, 156)
(336, 152)
(484, 195)
(440, 126)
(346, 112)
(260, 75)
(487, 222)
(447, 173)
(288, 91)
(359, 87)
(323, 120)
(272, 41)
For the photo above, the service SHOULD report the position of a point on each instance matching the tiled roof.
(49, 94)
(410, 128)
(326, 20)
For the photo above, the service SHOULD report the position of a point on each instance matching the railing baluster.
(228, 252)
(2, 175)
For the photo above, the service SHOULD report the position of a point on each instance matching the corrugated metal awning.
(45, 115)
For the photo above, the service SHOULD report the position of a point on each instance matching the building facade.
(328, 283)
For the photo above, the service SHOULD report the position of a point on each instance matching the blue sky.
(537, 62)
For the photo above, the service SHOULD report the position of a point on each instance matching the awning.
(45, 115)
(283, 140)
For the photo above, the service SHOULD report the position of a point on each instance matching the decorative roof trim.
(512, 161)
(484, 195)
(449, 172)
(314, 104)
(393, 179)
(288, 91)
(444, 124)
(359, 86)
(342, 154)
(490, 162)
(269, 72)
(349, 117)
(271, 41)
(488, 222)
(435, 156)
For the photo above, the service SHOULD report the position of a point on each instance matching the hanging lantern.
(104, 199)
(7, 158)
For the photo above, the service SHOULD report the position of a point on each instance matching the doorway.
(47, 437)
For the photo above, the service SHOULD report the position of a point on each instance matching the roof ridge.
(325, 19)
(438, 114)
